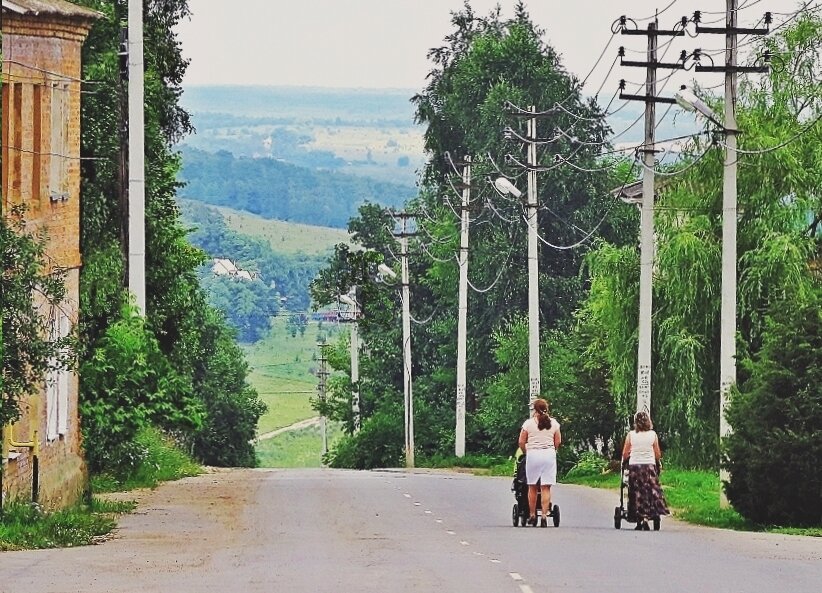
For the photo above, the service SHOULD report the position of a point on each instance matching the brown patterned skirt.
(645, 498)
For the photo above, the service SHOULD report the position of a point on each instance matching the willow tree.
(779, 181)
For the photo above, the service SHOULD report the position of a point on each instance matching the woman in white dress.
(539, 439)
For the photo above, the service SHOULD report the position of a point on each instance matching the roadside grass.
(693, 496)
(163, 461)
(296, 448)
(25, 526)
(282, 369)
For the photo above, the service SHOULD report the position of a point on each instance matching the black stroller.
(519, 514)
(621, 512)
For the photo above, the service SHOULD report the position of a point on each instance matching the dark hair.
(642, 422)
(543, 418)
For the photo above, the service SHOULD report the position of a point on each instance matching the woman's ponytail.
(543, 418)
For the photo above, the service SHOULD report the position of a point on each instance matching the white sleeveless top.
(642, 447)
(540, 439)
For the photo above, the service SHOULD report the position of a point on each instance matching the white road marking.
(464, 543)
(516, 576)
(416, 504)
(478, 554)
(495, 561)
(427, 512)
(406, 495)
(526, 589)
(438, 520)
(451, 532)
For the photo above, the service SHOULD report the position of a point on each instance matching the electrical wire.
(656, 14)
(680, 171)
(778, 146)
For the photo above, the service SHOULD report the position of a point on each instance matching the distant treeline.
(208, 120)
(277, 190)
(249, 305)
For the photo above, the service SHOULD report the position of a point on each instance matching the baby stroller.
(621, 512)
(519, 514)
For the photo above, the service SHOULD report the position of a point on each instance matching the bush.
(128, 384)
(589, 464)
(379, 443)
(774, 453)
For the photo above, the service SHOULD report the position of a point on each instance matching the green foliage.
(776, 417)
(167, 370)
(161, 459)
(232, 406)
(589, 464)
(274, 189)
(379, 443)
(26, 526)
(127, 385)
(32, 291)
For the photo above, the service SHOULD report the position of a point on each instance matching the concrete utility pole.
(533, 263)
(727, 344)
(322, 375)
(646, 237)
(406, 340)
(355, 364)
(136, 158)
(647, 247)
(462, 311)
(727, 347)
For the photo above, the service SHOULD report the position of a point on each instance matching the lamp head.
(686, 99)
(344, 298)
(506, 187)
(384, 270)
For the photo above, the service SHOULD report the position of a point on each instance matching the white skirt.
(541, 464)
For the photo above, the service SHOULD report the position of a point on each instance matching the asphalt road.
(318, 531)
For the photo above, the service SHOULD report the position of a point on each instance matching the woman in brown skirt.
(642, 453)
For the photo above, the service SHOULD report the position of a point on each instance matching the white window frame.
(58, 382)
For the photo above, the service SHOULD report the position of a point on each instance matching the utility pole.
(727, 345)
(646, 241)
(531, 204)
(322, 375)
(355, 364)
(408, 398)
(136, 158)
(462, 310)
(533, 262)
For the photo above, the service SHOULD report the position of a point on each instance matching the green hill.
(284, 237)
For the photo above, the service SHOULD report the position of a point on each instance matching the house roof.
(49, 7)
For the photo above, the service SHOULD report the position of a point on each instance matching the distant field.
(284, 237)
(299, 448)
(283, 373)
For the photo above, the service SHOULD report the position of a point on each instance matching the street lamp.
(504, 186)
(686, 99)
(727, 316)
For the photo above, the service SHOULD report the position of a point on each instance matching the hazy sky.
(383, 43)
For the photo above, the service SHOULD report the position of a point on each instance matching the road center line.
(526, 589)
(451, 532)
(516, 576)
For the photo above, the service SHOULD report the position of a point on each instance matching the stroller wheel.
(617, 517)
(555, 515)
(515, 515)
(657, 523)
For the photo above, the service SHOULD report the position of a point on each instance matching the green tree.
(31, 291)
(776, 416)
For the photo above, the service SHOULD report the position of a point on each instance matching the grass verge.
(693, 496)
(480, 465)
(26, 526)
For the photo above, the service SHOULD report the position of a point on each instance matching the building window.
(58, 148)
(57, 382)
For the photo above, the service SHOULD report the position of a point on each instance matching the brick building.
(41, 48)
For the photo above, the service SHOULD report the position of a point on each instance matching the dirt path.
(296, 426)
